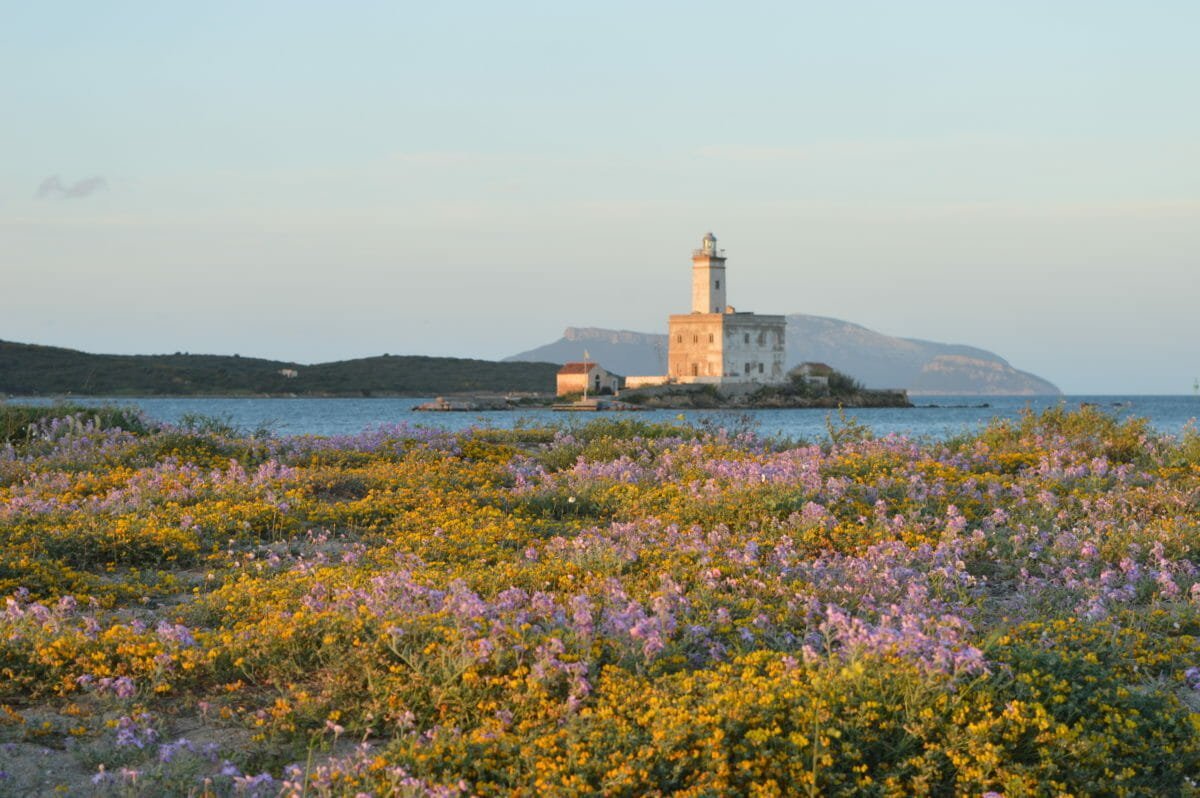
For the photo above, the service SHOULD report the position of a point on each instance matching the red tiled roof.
(576, 368)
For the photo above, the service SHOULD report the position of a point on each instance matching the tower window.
(718, 285)
(678, 339)
(695, 339)
(710, 338)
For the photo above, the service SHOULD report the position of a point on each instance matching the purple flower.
(167, 751)
(262, 784)
(175, 633)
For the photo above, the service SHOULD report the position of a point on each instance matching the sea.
(933, 417)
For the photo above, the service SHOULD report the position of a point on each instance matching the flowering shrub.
(619, 609)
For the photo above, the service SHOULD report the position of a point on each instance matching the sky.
(314, 181)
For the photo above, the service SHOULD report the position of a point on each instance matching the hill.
(28, 369)
(874, 359)
(620, 351)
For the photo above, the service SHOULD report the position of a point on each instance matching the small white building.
(574, 377)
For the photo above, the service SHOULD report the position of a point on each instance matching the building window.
(762, 338)
(695, 339)
(718, 285)
(679, 339)
(695, 369)
(746, 338)
(760, 368)
(747, 368)
(710, 338)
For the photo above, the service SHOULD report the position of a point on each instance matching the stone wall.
(754, 348)
(726, 347)
(694, 347)
(645, 381)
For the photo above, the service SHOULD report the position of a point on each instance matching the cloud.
(53, 187)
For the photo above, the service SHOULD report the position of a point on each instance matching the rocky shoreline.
(674, 397)
(688, 397)
(468, 404)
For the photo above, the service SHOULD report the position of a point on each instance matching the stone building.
(714, 343)
(574, 377)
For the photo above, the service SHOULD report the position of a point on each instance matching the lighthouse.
(708, 277)
(715, 345)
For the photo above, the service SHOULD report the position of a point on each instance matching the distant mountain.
(619, 351)
(874, 359)
(27, 369)
(921, 367)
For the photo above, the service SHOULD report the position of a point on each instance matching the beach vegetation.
(610, 607)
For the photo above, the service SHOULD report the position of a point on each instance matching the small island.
(807, 385)
(719, 357)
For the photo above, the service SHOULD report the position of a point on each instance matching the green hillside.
(27, 369)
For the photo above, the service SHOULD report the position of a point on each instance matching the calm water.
(953, 415)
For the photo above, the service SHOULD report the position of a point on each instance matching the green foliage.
(846, 429)
(798, 385)
(606, 439)
(1185, 450)
(1089, 429)
(186, 447)
(1082, 674)
(197, 423)
(628, 428)
(20, 423)
(840, 383)
(520, 434)
(26, 369)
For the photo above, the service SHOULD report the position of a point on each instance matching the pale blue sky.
(315, 181)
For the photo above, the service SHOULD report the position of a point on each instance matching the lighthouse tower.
(708, 277)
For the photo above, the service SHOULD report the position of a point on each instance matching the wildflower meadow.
(607, 608)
